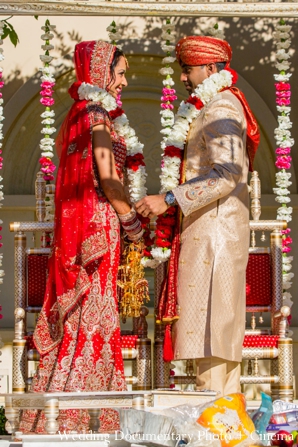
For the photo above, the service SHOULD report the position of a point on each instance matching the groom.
(221, 144)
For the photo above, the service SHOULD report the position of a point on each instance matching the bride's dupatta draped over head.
(79, 239)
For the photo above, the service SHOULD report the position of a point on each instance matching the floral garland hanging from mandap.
(171, 157)
(284, 142)
(2, 25)
(47, 142)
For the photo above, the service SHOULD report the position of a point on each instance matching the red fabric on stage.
(36, 272)
(260, 341)
(129, 341)
(258, 280)
(29, 342)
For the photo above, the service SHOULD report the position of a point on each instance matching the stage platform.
(140, 412)
(142, 418)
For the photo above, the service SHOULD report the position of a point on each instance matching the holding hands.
(151, 206)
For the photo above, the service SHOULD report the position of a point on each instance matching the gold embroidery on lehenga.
(108, 310)
(94, 247)
(114, 233)
(54, 330)
(49, 330)
(91, 313)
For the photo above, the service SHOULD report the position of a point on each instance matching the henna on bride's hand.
(117, 194)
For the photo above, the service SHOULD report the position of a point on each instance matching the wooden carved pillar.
(142, 367)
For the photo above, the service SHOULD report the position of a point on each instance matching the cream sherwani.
(215, 234)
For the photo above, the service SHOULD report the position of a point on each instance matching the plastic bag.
(223, 422)
(261, 417)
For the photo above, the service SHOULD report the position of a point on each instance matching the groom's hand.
(151, 206)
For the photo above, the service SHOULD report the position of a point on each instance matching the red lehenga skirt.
(89, 356)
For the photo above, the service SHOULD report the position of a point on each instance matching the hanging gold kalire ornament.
(133, 290)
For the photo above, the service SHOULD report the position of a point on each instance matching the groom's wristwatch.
(170, 199)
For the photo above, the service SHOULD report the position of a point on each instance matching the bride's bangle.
(131, 225)
(131, 215)
(135, 237)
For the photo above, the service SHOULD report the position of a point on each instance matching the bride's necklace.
(135, 166)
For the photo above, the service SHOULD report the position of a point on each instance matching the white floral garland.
(2, 273)
(284, 143)
(215, 31)
(167, 115)
(47, 143)
(137, 179)
(176, 136)
(186, 114)
(114, 35)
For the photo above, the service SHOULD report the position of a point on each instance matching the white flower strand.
(186, 114)
(284, 140)
(114, 35)
(2, 273)
(47, 143)
(283, 133)
(214, 31)
(137, 179)
(47, 146)
(168, 36)
(167, 121)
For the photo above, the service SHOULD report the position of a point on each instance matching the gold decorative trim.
(259, 379)
(129, 353)
(157, 8)
(30, 226)
(257, 331)
(267, 225)
(285, 341)
(184, 380)
(258, 309)
(38, 251)
(141, 342)
(19, 343)
(258, 250)
(259, 353)
(142, 387)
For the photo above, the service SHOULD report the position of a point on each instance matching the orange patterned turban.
(201, 50)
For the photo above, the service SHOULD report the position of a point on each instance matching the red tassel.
(168, 353)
